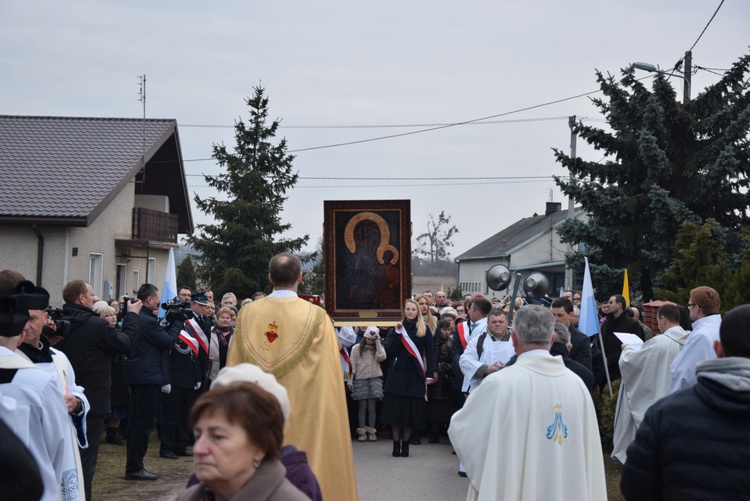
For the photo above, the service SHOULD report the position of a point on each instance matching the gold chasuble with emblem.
(295, 341)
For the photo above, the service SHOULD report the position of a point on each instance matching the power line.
(707, 25)
(396, 126)
(431, 129)
(388, 126)
(436, 127)
(423, 178)
(545, 179)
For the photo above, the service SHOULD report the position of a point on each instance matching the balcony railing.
(153, 225)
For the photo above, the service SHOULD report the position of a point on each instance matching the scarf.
(222, 333)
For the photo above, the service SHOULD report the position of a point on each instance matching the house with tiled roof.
(99, 199)
(529, 245)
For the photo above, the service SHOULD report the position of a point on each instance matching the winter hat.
(249, 373)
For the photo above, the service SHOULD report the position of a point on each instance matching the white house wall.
(18, 250)
(540, 251)
(472, 277)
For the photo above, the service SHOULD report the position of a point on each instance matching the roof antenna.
(142, 99)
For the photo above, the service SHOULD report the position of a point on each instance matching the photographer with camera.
(146, 372)
(90, 346)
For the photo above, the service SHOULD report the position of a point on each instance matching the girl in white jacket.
(367, 380)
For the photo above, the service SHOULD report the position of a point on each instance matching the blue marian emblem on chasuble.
(557, 431)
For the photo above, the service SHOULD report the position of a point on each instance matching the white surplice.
(60, 367)
(492, 351)
(698, 347)
(48, 437)
(476, 330)
(529, 432)
(645, 379)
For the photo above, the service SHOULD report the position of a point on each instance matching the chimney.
(552, 207)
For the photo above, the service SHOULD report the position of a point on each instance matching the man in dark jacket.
(90, 346)
(617, 321)
(146, 372)
(695, 444)
(562, 307)
(184, 378)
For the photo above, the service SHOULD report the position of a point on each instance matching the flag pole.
(606, 367)
(589, 319)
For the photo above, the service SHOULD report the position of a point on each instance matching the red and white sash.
(463, 336)
(346, 358)
(189, 340)
(412, 349)
(198, 333)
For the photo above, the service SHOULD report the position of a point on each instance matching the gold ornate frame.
(367, 249)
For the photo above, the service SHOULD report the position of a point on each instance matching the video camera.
(62, 327)
(177, 310)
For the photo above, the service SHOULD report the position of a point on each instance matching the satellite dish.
(536, 284)
(498, 277)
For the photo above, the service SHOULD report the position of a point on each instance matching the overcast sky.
(355, 64)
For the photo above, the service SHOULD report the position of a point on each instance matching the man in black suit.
(562, 307)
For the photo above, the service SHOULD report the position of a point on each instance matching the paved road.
(430, 472)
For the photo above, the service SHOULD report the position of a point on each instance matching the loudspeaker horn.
(536, 284)
(498, 277)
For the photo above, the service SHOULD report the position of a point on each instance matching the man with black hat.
(91, 345)
(200, 327)
(36, 349)
(43, 424)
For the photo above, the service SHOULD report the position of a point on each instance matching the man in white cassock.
(489, 351)
(529, 431)
(37, 350)
(45, 430)
(646, 377)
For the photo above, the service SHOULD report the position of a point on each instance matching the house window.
(96, 267)
(122, 280)
(151, 271)
(136, 280)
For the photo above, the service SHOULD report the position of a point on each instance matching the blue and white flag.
(588, 320)
(169, 290)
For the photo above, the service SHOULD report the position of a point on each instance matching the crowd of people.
(267, 395)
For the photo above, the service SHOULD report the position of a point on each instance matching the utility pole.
(571, 201)
(688, 76)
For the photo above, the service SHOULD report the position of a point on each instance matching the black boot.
(397, 448)
(405, 449)
(112, 437)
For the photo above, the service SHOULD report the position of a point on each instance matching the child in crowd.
(367, 382)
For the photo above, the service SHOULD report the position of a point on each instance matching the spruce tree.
(698, 259)
(248, 231)
(665, 163)
(186, 273)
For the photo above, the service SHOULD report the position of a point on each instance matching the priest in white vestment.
(47, 431)
(529, 431)
(37, 350)
(646, 377)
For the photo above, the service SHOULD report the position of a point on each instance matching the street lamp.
(686, 77)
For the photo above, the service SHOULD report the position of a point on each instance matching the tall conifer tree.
(248, 230)
(665, 163)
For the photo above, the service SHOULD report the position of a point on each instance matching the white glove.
(167, 388)
(198, 385)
